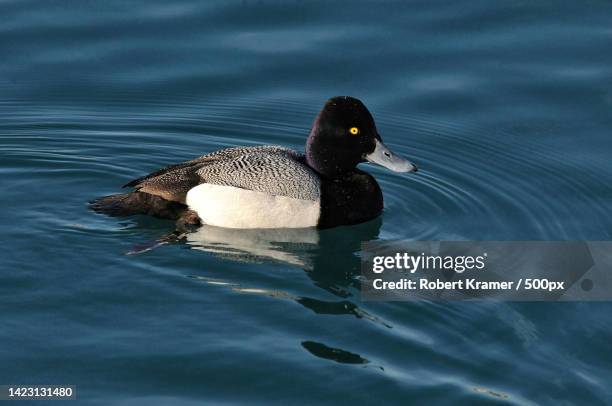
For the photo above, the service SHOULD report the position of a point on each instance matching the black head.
(343, 135)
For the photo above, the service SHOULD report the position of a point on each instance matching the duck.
(271, 186)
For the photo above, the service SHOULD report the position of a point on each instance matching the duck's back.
(272, 170)
(243, 187)
(269, 169)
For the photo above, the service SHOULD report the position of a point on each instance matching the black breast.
(352, 199)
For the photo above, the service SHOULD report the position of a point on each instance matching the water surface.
(505, 108)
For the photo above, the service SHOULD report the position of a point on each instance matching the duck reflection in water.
(329, 257)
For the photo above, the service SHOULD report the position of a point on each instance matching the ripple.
(501, 180)
(333, 354)
(473, 183)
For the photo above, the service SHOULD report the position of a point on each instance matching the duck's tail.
(128, 204)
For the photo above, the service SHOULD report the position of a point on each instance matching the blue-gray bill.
(383, 156)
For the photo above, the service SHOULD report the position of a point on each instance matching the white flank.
(231, 207)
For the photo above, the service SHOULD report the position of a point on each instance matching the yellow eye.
(354, 130)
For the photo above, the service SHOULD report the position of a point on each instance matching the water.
(505, 108)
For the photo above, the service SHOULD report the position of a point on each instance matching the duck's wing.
(270, 169)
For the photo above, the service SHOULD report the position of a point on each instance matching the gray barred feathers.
(270, 169)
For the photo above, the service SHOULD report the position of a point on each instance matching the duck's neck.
(327, 160)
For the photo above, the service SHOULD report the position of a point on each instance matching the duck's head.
(343, 135)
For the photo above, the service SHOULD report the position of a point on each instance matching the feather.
(270, 169)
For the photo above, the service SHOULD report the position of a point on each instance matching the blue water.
(505, 108)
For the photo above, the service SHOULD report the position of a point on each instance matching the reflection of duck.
(292, 246)
(272, 186)
(334, 354)
(324, 254)
(329, 258)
